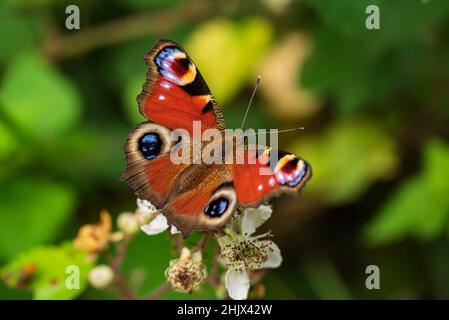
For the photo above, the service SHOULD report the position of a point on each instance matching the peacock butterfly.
(196, 196)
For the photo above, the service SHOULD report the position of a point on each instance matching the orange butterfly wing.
(196, 196)
(175, 94)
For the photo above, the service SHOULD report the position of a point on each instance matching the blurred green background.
(374, 104)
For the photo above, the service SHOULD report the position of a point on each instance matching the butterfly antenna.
(250, 101)
(279, 131)
(292, 129)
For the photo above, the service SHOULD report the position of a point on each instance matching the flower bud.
(101, 276)
(128, 223)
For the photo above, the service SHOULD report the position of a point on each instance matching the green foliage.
(150, 5)
(43, 271)
(8, 142)
(361, 68)
(33, 212)
(132, 89)
(420, 206)
(26, 31)
(38, 99)
(347, 159)
(245, 42)
(383, 100)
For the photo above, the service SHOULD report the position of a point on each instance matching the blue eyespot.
(150, 145)
(292, 173)
(167, 53)
(217, 207)
(298, 176)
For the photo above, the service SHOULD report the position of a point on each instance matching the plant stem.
(64, 45)
(122, 285)
(213, 278)
(116, 264)
(178, 243)
(202, 244)
(156, 293)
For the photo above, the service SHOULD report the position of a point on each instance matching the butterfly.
(196, 196)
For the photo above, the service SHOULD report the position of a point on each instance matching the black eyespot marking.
(217, 207)
(197, 87)
(184, 64)
(150, 145)
(290, 166)
(208, 107)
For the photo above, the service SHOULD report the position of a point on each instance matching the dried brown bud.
(93, 238)
(186, 273)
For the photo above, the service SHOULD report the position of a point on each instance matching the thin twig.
(165, 287)
(63, 45)
(177, 242)
(202, 244)
(213, 278)
(116, 264)
(122, 285)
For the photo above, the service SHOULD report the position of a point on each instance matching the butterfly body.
(195, 194)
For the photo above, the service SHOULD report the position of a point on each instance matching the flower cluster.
(239, 251)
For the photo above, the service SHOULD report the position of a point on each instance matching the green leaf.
(347, 15)
(227, 60)
(43, 270)
(7, 142)
(420, 206)
(80, 148)
(347, 159)
(360, 68)
(126, 72)
(38, 99)
(349, 70)
(8, 293)
(33, 213)
(24, 27)
(400, 20)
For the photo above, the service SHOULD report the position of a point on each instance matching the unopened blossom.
(93, 238)
(186, 273)
(101, 276)
(241, 252)
(152, 222)
(128, 222)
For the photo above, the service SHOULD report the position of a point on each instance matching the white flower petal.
(155, 226)
(237, 284)
(174, 230)
(254, 218)
(274, 258)
(145, 206)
